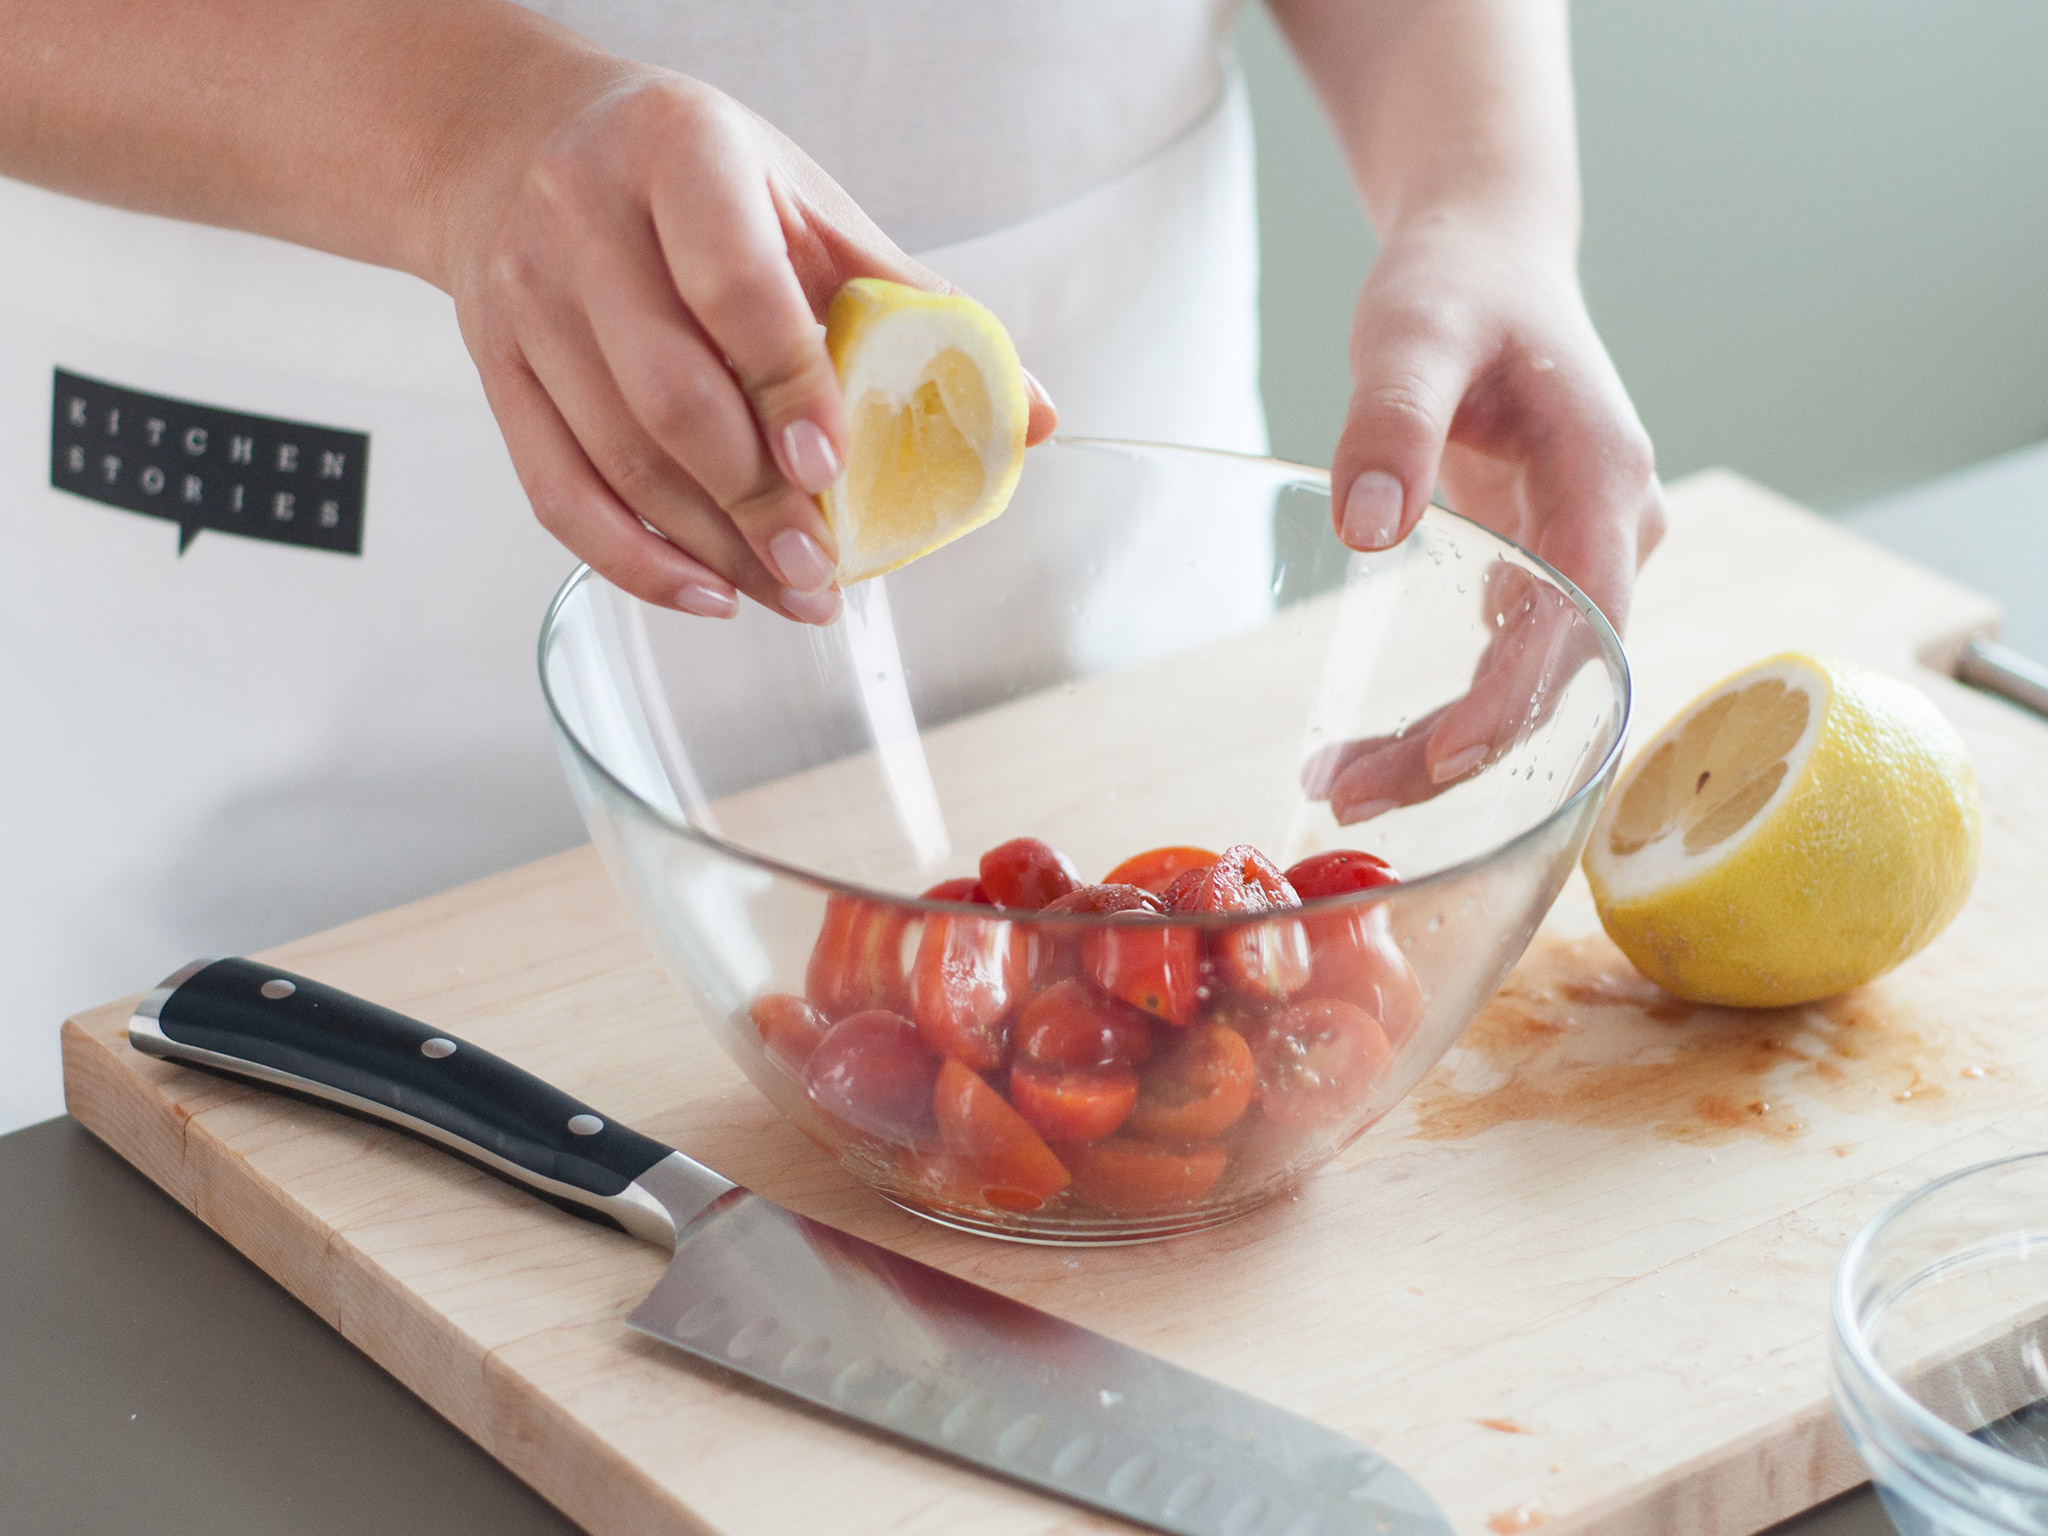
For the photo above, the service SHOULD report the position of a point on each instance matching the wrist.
(512, 99)
(1531, 227)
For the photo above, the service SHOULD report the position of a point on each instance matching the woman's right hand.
(640, 282)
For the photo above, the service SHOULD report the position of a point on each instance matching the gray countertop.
(152, 1380)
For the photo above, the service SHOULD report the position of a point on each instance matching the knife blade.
(800, 1307)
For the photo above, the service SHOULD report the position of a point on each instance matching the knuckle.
(1404, 404)
(761, 501)
(675, 402)
(1636, 456)
(742, 288)
(512, 277)
(1651, 527)
(788, 388)
(636, 477)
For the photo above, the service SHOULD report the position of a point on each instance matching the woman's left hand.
(1476, 368)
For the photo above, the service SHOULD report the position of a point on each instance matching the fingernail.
(1372, 510)
(800, 560)
(1365, 810)
(1458, 764)
(811, 607)
(812, 461)
(1037, 390)
(706, 601)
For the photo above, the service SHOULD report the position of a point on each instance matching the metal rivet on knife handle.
(276, 988)
(585, 1125)
(437, 1047)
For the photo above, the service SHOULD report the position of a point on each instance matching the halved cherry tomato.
(857, 962)
(790, 1029)
(1056, 951)
(873, 1073)
(1339, 870)
(1157, 868)
(1357, 959)
(1149, 963)
(1317, 1060)
(1077, 1103)
(969, 973)
(1027, 872)
(1178, 889)
(1141, 1178)
(962, 888)
(1076, 1024)
(1269, 957)
(1354, 953)
(1197, 1087)
(1001, 1149)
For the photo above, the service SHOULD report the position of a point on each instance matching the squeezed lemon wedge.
(1797, 830)
(937, 408)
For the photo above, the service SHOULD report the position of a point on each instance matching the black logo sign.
(202, 467)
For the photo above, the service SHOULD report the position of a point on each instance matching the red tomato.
(1197, 1088)
(1076, 1024)
(998, 1144)
(1148, 963)
(1157, 868)
(1338, 871)
(1354, 954)
(790, 1029)
(1271, 957)
(857, 962)
(964, 888)
(872, 1072)
(1074, 1103)
(1179, 888)
(968, 974)
(1317, 1060)
(1027, 872)
(1097, 900)
(1357, 959)
(1141, 1178)
(1056, 953)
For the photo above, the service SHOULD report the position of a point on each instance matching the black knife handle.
(290, 1032)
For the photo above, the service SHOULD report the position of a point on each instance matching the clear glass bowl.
(1940, 1356)
(1150, 647)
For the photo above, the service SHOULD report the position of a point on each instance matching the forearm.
(356, 126)
(1448, 110)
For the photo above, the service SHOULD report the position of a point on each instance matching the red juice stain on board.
(1578, 1037)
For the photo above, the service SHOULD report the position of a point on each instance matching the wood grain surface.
(1577, 1281)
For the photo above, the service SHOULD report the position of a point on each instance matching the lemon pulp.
(937, 409)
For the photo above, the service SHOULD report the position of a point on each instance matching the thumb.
(1408, 382)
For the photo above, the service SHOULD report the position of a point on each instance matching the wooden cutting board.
(1578, 1281)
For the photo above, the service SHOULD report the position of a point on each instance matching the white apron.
(212, 751)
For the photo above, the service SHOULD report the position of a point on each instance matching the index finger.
(734, 272)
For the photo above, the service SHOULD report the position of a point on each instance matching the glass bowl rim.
(1974, 1456)
(1611, 652)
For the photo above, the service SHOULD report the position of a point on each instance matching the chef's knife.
(803, 1308)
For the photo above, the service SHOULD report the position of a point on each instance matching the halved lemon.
(938, 408)
(1799, 829)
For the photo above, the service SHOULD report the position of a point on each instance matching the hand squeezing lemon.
(1798, 830)
(938, 408)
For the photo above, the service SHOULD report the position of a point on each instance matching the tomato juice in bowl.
(986, 886)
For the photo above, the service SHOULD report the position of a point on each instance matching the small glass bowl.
(1940, 1353)
(1152, 646)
